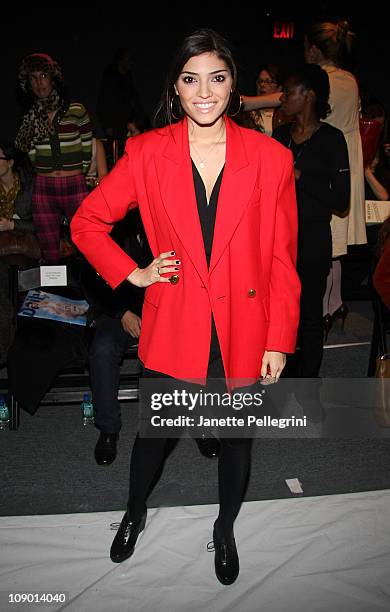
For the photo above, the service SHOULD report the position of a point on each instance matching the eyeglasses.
(265, 82)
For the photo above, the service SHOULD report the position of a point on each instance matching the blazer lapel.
(174, 171)
(237, 186)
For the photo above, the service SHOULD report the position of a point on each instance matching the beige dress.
(344, 102)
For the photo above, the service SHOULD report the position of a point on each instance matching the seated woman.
(16, 183)
(17, 239)
(377, 171)
(376, 187)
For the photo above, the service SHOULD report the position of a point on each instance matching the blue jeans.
(106, 352)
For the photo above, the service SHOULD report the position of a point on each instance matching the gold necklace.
(203, 160)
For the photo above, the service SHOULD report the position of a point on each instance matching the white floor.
(317, 554)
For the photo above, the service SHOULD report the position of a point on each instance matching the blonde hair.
(334, 40)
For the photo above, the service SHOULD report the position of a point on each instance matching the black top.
(207, 210)
(207, 213)
(324, 184)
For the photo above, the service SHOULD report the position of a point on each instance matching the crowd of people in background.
(56, 159)
(314, 110)
(62, 159)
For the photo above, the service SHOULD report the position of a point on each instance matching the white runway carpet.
(315, 554)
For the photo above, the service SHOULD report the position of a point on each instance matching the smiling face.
(204, 87)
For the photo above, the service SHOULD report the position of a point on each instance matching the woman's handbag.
(18, 242)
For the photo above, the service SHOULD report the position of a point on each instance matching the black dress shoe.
(227, 566)
(208, 447)
(124, 542)
(105, 449)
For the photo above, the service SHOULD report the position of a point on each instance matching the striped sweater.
(69, 147)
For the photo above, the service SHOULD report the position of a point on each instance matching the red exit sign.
(284, 29)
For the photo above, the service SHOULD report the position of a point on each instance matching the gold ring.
(174, 279)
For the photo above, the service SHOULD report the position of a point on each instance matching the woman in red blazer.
(222, 299)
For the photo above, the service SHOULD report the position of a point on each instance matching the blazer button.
(252, 293)
(174, 279)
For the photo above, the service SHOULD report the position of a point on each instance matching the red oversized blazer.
(251, 287)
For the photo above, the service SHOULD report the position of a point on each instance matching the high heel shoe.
(329, 319)
(341, 313)
(327, 323)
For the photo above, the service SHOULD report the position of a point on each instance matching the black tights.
(233, 470)
(233, 463)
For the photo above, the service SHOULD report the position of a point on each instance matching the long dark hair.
(21, 160)
(22, 165)
(201, 41)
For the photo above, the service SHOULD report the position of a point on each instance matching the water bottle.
(4, 413)
(87, 411)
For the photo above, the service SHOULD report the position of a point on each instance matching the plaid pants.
(53, 197)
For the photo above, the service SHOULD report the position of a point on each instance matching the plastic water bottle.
(87, 411)
(4, 413)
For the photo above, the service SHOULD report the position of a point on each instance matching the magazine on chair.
(41, 305)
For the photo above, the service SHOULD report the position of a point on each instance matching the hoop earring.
(171, 108)
(239, 107)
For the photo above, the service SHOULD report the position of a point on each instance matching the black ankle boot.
(124, 542)
(226, 561)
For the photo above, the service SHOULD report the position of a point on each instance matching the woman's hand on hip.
(165, 263)
(272, 366)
